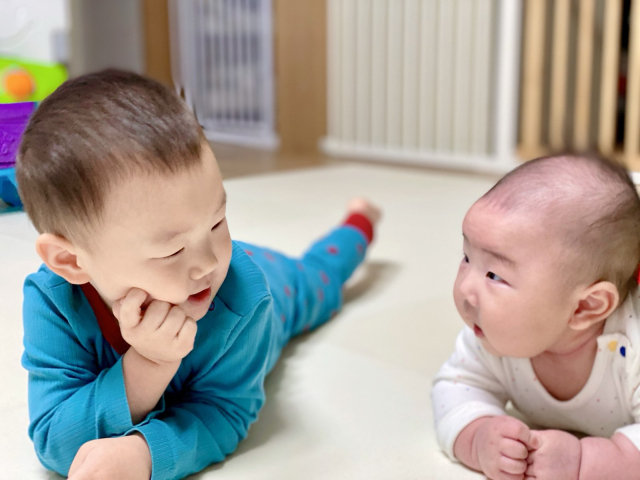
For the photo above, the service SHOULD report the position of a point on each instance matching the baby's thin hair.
(594, 206)
(92, 132)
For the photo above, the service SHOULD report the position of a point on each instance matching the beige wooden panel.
(632, 116)
(609, 82)
(559, 72)
(301, 73)
(533, 73)
(582, 111)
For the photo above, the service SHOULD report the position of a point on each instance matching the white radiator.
(222, 61)
(424, 81)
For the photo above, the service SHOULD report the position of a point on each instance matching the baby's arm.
(594, 457)
(471, 424)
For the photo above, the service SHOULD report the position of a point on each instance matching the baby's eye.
(494, 277)
(465, 259)
(174, 254)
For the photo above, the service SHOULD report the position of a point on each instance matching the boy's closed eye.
(179, 251)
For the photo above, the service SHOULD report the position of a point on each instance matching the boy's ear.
(61, 258)
(596, 303)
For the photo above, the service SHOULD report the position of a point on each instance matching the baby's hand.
(162, 333)
(124, 458)
(502, 445)
(556, 457)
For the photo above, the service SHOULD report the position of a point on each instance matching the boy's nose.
(205, 264)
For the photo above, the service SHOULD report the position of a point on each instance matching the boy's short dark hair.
(92, 132)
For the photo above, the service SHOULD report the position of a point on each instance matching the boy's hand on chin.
(124, 458)
(557, 456)
(162, 333)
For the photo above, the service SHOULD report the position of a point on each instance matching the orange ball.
(19, 84)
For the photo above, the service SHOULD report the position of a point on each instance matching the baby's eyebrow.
(502, 259)
(498, 256)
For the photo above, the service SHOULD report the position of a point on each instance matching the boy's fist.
(161, 333)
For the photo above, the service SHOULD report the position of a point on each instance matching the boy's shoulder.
(46, 282)
(245, 285)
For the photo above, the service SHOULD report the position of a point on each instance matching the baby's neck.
(575, 344)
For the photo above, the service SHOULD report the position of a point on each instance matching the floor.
(350, 400)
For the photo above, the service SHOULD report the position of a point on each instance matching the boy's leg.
(308, 291)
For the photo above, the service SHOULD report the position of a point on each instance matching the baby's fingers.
(511, 466)
(513, 449)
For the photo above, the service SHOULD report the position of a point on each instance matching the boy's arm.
(71, 399)
(145, 382)
(216, 408)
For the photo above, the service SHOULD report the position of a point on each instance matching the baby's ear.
(60, 256)
(596, 303)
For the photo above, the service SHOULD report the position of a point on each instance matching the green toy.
(22, 81)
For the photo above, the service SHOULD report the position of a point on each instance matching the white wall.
(29, 29)
(106, 33)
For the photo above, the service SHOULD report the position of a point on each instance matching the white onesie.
(474, 384)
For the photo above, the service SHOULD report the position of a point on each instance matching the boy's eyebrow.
(224, 200)
(498, 256)
(165, 237)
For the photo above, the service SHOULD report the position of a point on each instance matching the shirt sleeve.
(466, 388)
(71, 399)
(215, 411)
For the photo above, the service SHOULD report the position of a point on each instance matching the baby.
(547, 289)
(148, 332)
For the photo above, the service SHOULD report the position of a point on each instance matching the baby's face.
(165, 234)
(509, 288)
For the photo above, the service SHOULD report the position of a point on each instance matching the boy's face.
(166, 234)
(509, 287)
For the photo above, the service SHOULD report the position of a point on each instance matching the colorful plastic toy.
(22, 81)
(13, 120)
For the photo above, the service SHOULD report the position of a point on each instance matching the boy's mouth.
(478, 331)
(201, 296)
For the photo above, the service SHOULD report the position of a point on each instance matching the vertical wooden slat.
(559, 72)
(378, 72)
(463, 66)
(395, 42)
(632, 116)
(609, 83)
(533, 74)
(582, 112)
(482, 84)
(156, 40)
(348, 70)
(334, 20)
(363, 72)
(444, 72)
(410, 74)
(301, 66)
(427, 85)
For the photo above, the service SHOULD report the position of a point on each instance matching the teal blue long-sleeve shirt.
(76, 385)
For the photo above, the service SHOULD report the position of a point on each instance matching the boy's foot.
(366, 208)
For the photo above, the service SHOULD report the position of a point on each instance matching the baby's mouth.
(478, 331)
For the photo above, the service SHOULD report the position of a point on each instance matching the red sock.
(362, 223)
